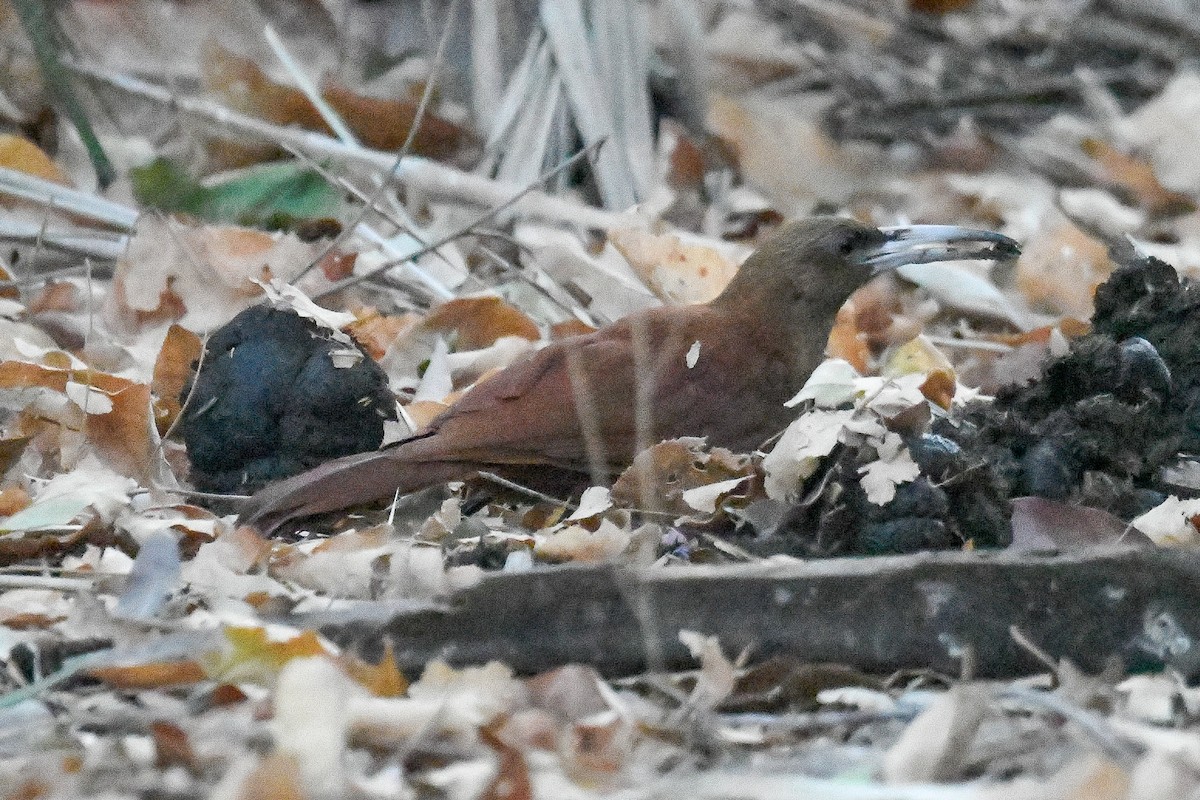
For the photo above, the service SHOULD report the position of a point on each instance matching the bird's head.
(809, 267)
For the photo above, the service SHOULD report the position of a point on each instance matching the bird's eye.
(848, 243)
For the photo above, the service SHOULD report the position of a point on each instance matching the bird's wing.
(531, 412)
(575, 403)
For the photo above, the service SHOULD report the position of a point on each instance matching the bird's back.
(593, 401)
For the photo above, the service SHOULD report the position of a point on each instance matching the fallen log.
(929, 610)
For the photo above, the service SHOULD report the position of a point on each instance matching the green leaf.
(268, 196)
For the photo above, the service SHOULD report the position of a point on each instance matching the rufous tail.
(343, 483)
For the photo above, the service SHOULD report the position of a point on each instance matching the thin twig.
(305, 85)
(405, 148)
(42, 277)
(1095, 727)
(15, 183)
(525, 490)
(46, 582)
(375, 203)
(464, 230)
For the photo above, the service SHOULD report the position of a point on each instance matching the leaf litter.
(152, 648)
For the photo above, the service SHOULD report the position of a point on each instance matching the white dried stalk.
(422, 174)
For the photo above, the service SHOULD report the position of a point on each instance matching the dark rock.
(269, 402)
(1103, 419)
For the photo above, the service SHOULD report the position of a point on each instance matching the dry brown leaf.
(24, 375)
(789, 683)
(787, 155)
(578, 544)
(11, 449)
(11, 292)
(17, 152)
(29, 621)
(54, 296)
(171, 747)
(571, 327)
(150, 676)
(661, 474)
(172, 371)
(676, 272)
(199, 276)
(383, 679)
(871, 320)
(512, 780)
(122, 434)
(277, 777)
(1136, 177)
(12, 500)
(688, 164)
(480, 321)
(422, 412)
(1060, 267)
(1069, 327)
(44, 547)
(382, 124)
(376, 332)
(1041, 524)
(124, 437)
(226, 694)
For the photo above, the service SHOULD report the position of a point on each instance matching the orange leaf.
(480, 321)
(277, 777)
(172, 748)
(172, 370)
(512, 780)
(150, 676)
(376, 332)
(252, 652)
(17, 152)
(1060, 267)
(1136, 177)
(379, 123)
(675, 271)
(845, 342)
(383, 679)
(939, 387)
(12, 500)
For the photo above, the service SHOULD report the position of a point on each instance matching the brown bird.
(589, 403)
